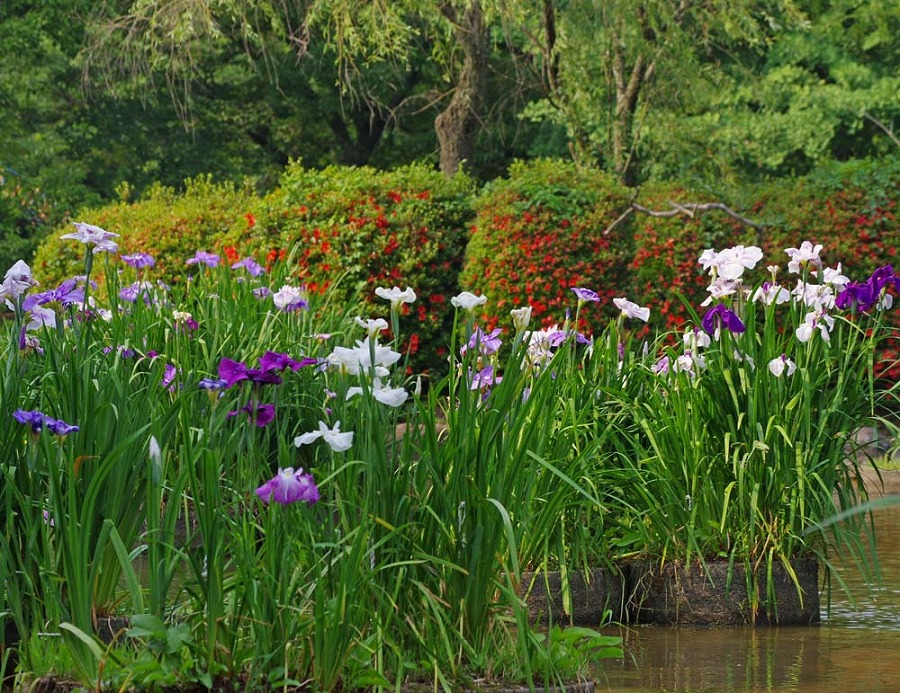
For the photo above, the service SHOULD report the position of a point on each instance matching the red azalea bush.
(851, 209)
(357, 229)
(168, 225)
(539, 233)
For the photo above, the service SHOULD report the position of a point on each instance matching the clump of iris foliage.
(741, 439)
(248, 474)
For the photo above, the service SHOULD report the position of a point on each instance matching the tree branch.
(887, 130)
(689, 209)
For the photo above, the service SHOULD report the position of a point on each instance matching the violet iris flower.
(586, 294)
(67, 293)
(132, 292)
(866, 294)
(59, 427)
(289, 486)
(38, 421)
(35, 419)
(138, 260)
(486, 343)
(276, 361)
(483, 379)
(251, 265)
(201, 257)
(260, 414)
(124, 352)
(169, 374)
(235, 371)
(212, 384)
(719, 315)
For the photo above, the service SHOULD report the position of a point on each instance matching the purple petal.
(232, 371)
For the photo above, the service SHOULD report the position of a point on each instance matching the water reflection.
(856, 648)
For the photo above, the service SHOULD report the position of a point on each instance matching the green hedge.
(168, 225)
(539, 233)
(534, 235)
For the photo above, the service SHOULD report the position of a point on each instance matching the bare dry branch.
(689, 209)
(887, 131)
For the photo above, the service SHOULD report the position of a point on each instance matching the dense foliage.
(94, 94)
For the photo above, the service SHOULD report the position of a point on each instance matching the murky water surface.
(856, 649)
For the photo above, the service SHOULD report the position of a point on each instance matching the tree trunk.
(627, 92)
(457, 125)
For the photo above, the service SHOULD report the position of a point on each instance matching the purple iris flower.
(124, 352)
(35, 419)
(586, 294)
(138, 260)
(67, 293)
(58, 427)
(858, 294)
(487, 344)
(262, 292)
(483, 379)
(212, 384)
(169, 376)
(251, 265)
(661, 367)
(275, 361)
(864, 295)
(555, 338)
(289, 486)
(234, 371)
(201, 257)
(132, 292)
(38, 421)
(260, 414)
(719, 315)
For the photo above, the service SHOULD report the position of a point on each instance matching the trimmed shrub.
(168, 225)
(539, 233)
(851, 209)
(356, 229)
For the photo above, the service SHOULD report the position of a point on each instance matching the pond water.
(855, 649)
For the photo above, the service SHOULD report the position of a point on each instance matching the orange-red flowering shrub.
(538, 234)
(356, 229)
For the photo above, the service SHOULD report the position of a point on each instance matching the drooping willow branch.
(689, 209)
